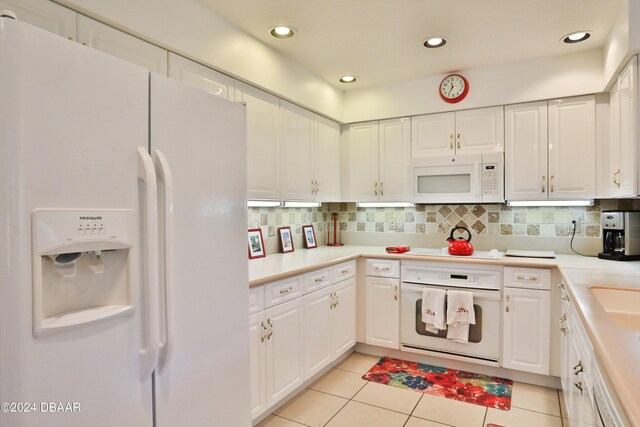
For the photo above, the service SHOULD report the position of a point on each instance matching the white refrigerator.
(123, 272)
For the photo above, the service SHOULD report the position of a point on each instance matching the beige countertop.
(617, 348)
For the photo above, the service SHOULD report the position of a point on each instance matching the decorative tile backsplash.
(483, 220)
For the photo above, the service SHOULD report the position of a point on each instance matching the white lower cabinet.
(309, 321)
(276, 354)
(526, 330)
(383, 311)
(329, 324)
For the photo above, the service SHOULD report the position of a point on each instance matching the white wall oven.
(475, 178)
(485, 284)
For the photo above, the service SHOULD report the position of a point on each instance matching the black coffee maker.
(620, 235)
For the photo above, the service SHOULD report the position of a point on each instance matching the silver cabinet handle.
(552, 181)
(375, 188)
(319, 279)
(616, 181)
(395, 293)
(451, 141)
(506, 309)
(381, 188)
(563, 318)
(383, 268)
(544, 184)
(458, 142)
(286, 290)
(345, 271)
(578, 368)
(527, 278)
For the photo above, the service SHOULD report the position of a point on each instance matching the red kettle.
(460, 246)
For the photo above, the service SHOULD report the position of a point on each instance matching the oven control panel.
(421, 273)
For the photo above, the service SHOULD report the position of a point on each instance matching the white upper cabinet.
(263, 178)
(362, 161)
(462, 132)
(550, 149)
(623, 101)
(44, 14)
(433, 135)
(572, 148)
(378, 156)
(200, 77)
(526, 151)
(122, 45)
(395, 155)
(327, 160)
(480, 130)
(296, 149)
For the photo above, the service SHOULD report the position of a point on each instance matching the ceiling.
(380, 41)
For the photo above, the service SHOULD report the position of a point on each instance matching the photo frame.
(256, 243)
(286, 239)
(309, 236)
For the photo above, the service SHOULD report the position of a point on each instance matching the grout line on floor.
(293, 421)
(537, 412)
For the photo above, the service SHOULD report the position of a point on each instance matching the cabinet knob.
(616, 178)
(271, 330)
(263, 337)
(561, 285)
(563, 330)
(563, 318)
(566, 298)
(552, 181)
(381, 188)
(506, 309)
(579, 387)
(578, 368)
(286, 291)
(375, 188)
(395, 293)
(544, 184)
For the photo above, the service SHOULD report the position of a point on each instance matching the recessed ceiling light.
(348, 79)
(432, 42)
(576, 37)
(282, 32)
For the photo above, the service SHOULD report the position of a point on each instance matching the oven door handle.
(491, 295)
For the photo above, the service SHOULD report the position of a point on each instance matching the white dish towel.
(433, 314)
(460, 314)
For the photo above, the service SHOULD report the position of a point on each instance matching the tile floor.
(341, 398)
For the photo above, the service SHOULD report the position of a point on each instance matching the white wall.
(545, 78)
(190, 29)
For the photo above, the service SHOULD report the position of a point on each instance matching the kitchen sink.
(622, 304)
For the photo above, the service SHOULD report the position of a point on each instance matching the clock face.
(454, 88)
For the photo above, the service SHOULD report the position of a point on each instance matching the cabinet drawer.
(282, 290)
(383, 268)
(528, 278)
(344, 271)
(256, 299)
(317, 279)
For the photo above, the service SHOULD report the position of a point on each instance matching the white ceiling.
(380, 41)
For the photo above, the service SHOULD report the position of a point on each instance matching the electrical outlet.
(392, 225)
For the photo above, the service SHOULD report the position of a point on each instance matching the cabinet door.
(257, 344)
(382, 312)
(344, 317)
(362, 162)
(395, 155)
(285, 350)
(263, 179)
(296, 142)
(479, 131)
(200, 77)
(572, 148)
(627, 132)
(526, 151)
(318, 311)
(526, 330)
(44, 14)
(433, 135)
(119, 44)
(327, 160)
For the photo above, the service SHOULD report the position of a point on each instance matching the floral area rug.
(493, 392)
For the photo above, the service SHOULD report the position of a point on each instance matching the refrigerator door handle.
(149, 262)
(165, 178)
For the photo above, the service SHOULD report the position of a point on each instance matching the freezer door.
(198, 143)
(71, 119)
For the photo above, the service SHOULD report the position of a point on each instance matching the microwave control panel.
(489, 179)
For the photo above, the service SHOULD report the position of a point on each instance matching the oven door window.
(475, 331)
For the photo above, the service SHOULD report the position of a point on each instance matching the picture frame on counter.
(286, 239)
(309, 236)
(256, 243)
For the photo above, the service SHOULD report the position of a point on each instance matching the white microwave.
(477, 178)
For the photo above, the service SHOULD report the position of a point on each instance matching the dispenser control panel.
(612, 221)
(55, 228)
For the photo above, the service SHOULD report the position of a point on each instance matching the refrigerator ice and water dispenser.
(81, 268)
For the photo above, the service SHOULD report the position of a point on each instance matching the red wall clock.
(454, 88)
